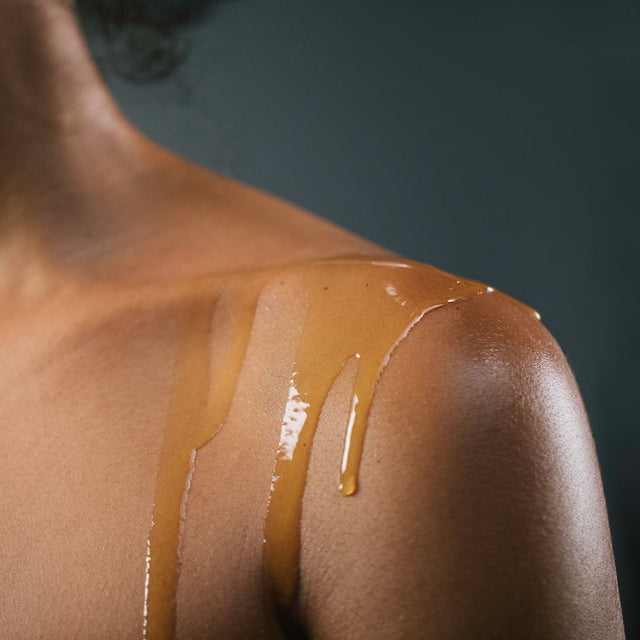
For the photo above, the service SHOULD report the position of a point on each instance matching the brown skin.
(481, 513)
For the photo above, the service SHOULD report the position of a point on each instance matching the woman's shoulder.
(479, 509)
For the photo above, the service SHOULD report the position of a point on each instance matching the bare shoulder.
(480, 512)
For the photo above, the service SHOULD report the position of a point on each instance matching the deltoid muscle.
(356, 308)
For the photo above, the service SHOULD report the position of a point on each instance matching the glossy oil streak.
(356, 308)
(200, 401)
(186, 424)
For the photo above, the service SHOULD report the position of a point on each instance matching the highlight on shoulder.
(480, 510)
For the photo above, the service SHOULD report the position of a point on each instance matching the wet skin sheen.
(472, 489)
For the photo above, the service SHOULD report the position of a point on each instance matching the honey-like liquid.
(356, 308)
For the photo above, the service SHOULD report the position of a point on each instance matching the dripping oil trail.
(364, 387)
(187, 417)
(356, 308)
(225, 373)
(282, 527)
(200, 402)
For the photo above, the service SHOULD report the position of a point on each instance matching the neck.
(47, 78)
(75, 176)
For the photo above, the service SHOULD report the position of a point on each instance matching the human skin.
(481, 512)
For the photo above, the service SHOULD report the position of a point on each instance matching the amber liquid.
(356, 308)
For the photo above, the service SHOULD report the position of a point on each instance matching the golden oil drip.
(357, 308)
(360, 309)
(201, 397)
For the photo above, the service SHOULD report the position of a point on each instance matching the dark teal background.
(498, 141)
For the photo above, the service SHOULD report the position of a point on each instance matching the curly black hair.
(144, 37)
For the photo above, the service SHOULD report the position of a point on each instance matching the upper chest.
(84, 417)
(151, 450)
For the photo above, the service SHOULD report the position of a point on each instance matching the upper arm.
(480, 512)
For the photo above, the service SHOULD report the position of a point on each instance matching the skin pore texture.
(224, 417)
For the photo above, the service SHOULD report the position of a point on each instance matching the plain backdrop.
(495, 140)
